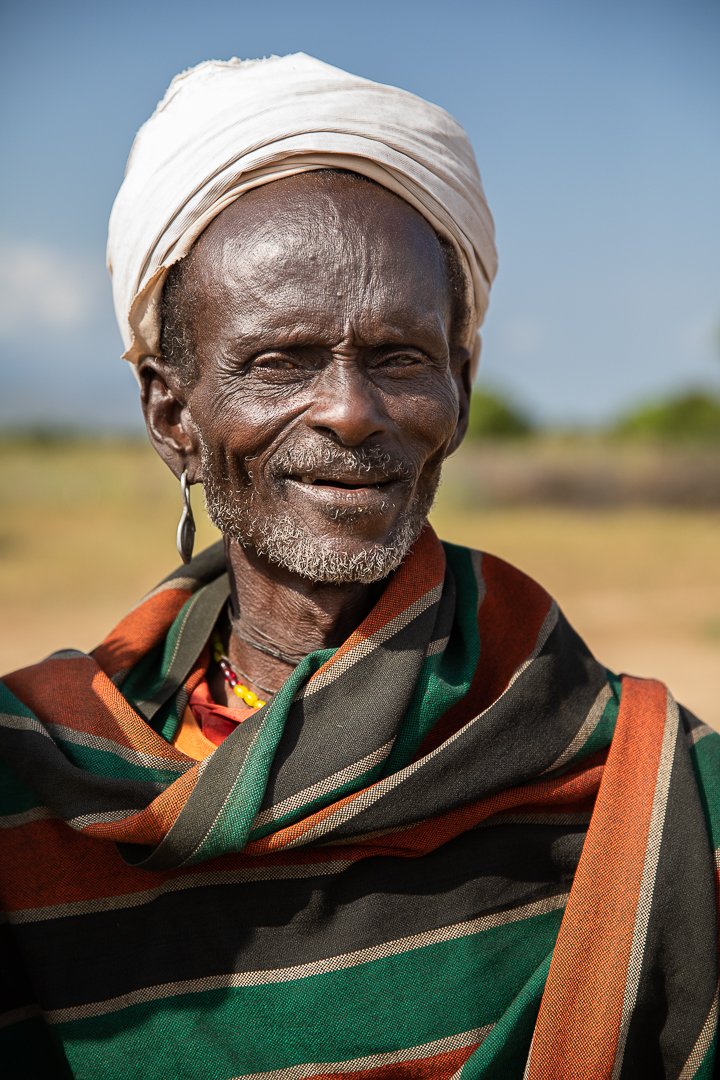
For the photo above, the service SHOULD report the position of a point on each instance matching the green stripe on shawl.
(147, 676)
(232, 826)
(365, 1006)
(503, 1053)
(705, 755)
(114, 766)
(601, 736)
(706, 1068)
(444, 679)
(15, 796)
(12, 705)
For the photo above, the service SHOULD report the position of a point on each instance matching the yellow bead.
(262, 704)
(248, 696)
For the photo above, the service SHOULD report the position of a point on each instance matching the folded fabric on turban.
(225, 127)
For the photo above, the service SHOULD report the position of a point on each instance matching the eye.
(275, 362)
(298, 361)
(399, 359)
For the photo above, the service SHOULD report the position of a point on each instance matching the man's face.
(327, 397)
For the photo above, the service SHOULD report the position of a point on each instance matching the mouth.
(366, 493)
(345, 483)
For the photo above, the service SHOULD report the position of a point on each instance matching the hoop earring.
(185, 538)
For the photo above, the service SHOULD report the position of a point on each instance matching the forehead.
(319, 247)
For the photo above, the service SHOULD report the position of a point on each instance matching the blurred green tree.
(690, 417)
(492, 416)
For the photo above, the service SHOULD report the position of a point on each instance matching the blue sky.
(596, 125)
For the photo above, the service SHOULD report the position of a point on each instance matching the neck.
(288, 614)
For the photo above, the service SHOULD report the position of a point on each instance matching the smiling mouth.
(348, 494)
(347, 485)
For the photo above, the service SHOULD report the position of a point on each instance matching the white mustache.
(334, 459)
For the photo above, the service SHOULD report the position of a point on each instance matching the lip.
(347, 479)
(347, 490)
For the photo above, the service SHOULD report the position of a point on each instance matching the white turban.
(224, 127)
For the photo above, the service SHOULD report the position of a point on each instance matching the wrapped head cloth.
(224, 127)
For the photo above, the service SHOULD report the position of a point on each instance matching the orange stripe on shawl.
(81, 868)
(581, 1009)
(53, 690)
(150, 825)
(139, 631)
(438, 1067)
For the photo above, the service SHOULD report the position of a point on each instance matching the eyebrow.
(425, 332)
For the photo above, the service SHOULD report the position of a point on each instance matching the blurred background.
(594, 456)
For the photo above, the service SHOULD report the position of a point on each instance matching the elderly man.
(337, 799)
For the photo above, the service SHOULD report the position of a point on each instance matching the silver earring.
(185, 539)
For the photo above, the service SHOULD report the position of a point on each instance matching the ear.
(461, 364)
(167, 418)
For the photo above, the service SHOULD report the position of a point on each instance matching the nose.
(346, 405)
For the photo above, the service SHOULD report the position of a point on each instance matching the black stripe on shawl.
(270, 924)
(510, 744)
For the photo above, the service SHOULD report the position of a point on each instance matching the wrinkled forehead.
(317, 242)
(316, 215)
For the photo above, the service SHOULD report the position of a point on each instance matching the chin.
(324, 540)
(333, 562)
(303, 550)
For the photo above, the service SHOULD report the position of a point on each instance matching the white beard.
(283, 540)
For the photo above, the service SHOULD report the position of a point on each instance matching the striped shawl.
(456, 846)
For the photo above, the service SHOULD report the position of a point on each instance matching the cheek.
(233, 426)
(429, 418)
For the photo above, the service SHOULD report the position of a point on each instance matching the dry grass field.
(87, 528)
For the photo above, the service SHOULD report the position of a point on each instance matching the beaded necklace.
(232, 678)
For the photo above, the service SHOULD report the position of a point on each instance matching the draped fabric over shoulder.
(456, 846)
(225, 127)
